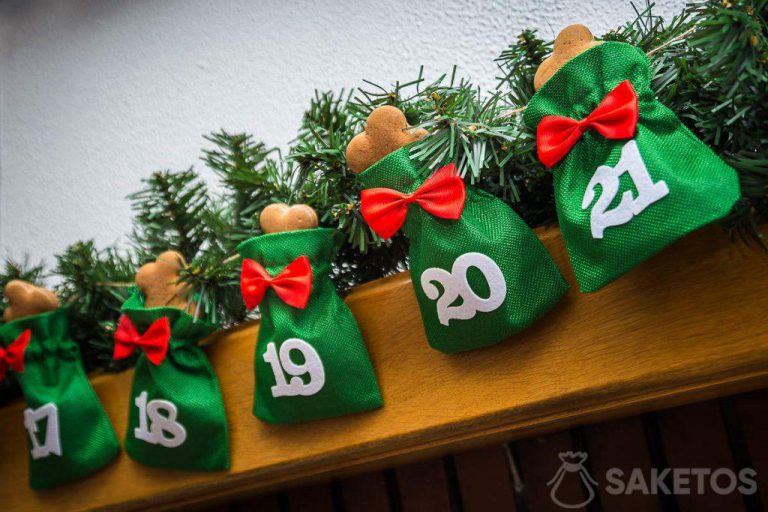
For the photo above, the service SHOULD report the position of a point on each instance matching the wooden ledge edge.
(368, 458)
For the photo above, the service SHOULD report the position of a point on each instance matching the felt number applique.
(648, 192)
(153, 425)
(32, 420)
(455, 285)
(283, 364)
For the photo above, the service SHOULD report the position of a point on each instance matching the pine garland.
(710, 66)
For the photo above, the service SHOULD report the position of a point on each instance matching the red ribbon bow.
(154, 341)
(293, 284)
(13, 356)
(614, 118)
(442, 195)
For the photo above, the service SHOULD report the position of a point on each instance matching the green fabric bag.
(70, 435)
(684, 184)
(489, 261)
(177, 418)
(310, 363)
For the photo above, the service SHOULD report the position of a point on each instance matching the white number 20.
(283, 364)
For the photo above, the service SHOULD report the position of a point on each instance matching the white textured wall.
(96, 94)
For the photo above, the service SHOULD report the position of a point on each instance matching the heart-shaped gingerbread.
(386, 130)
(279, 217)
(570, 42)
(159, 282)
(26, 299)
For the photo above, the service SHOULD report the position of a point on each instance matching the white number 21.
(283, 364)
(648, 191)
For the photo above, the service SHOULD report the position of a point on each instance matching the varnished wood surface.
(519, 476)
(687, 325)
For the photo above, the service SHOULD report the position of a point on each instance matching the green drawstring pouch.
(70, 435)
(310, 360)
(631, 178)
(478, 279)
(177, 418)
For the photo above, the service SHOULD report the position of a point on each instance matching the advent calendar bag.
(177, 417)
(480, 274)
(69, 433)
(629, 177)
(311, 361)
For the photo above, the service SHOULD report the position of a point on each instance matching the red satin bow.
(614, 118)
(293, 284)
(154, 341)
(442, 195)
(13, 356)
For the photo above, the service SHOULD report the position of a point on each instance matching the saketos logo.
(675, 481)
(681, 481)
(572, 466)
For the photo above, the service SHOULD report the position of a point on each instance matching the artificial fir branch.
(167, 214)
(322, 180)
(474, 130)
(92, 290)
(519, 63)
(251, 178)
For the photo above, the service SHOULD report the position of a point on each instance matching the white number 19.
(283, 364)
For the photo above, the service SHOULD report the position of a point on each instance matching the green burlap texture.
(487, 226)
(53, 374)
(186, 379)
(701, 187)
(326, 324)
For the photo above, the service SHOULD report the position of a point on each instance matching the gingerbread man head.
(159, 282)
(570, 42)
(279, 217)
(26, 299)
(386, 130)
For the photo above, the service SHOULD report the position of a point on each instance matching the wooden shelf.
(687, 325)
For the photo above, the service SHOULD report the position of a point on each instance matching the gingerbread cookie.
(279, 217)
(159, 282)
(570, 42)
(386, 130)
(26, 299)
